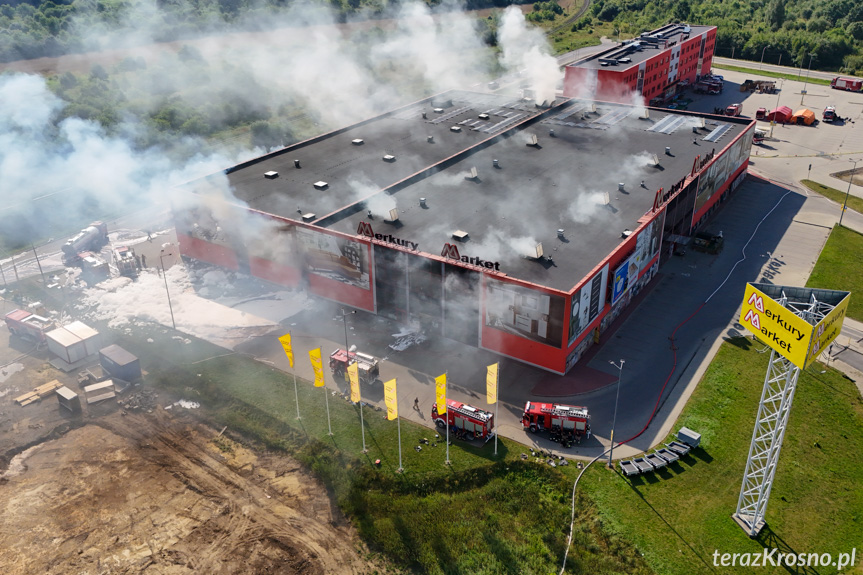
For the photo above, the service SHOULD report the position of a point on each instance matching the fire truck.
(367, 365)
(91, 238)
(466, 421)
(566, 423)
(124, 259)
(27, 325)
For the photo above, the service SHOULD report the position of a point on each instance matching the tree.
(855, 30)
(682, 10)
(776, 14)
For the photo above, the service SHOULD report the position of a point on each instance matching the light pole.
(803, 91)
(165, 276)
(614, 419)
(778, 93)
(760, 66)
(845, 203)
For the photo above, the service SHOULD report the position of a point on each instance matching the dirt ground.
(151, 491)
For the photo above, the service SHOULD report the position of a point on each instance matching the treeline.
(55, 27)
(789, 32)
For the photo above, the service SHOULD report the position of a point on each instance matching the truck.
(93, 268)
(829, 114)
(368, 366)
(734, 110)
(27, 325)
(847, 84)
(465, 421)
(125, 260)
(565, 423)
(91, 238)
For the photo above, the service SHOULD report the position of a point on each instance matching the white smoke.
(525, 50)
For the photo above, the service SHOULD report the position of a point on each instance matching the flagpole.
(446, 419)
(327, 403)
(496, 403)
(294, 372)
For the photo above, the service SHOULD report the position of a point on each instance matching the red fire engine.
(469, 422)
(27, 325)
(565, 422)
(368, 366)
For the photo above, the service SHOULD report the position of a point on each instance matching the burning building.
(519, 229)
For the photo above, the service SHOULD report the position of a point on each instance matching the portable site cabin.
(780, 115)
(119, 363)
(804, 116)
(73, 342)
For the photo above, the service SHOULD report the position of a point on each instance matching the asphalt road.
(801, 73)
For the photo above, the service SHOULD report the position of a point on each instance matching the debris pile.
(144, 399)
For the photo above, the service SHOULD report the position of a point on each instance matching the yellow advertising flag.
(440, 388)
(491, 384)
(391, 399)
(354, 377)
(286, 343)
(315, 358)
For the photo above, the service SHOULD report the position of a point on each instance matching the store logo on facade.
(365, 229)
(450, 251)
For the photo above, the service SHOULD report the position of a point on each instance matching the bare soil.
(150, 490)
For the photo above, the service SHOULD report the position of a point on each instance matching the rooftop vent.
(605, 198)
(425, 116)
(655, 160)
(357, 142)
(593, 108)
(483, 116)
(438, 110)
(621, 187)
(560, 233)
(389, 158)
(701, 121)
(321, 185)
(645, 114)
(309, 217)
(423, 203)
(394, 215)
(626, 233)
(538, 249)
(455, 129)
(460, 235)
(296, 164)
(271, 175)
(694, 129)
(430, 139)
(495, 163)
(532, 141)
(551, 133)
(472, 175)
(667, 151)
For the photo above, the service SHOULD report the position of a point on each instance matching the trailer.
(656, 461)
(465, 421)
(680, 449)
(642, 464)
(668, 455)
(628, 468)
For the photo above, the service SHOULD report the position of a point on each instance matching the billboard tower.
(798, 323)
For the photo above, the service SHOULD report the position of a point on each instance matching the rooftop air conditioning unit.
(389, 158)
(538, 250)
(645, 114)
(460, 235)
(438, 110)
(473, 175)
(394, 215)
(309, 217)
(357, 142)
(483, 116)
(455, 129)
(271, 175)
(626, 233)
(532, 141)
(655, 160)
(321, 185)
(593, 108)
(605, 198)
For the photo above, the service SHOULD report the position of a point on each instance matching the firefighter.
(417, 404)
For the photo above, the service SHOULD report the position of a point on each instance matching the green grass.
(681, 516)
(838, 267)
(838, 196)
(770, 74)
(482, 514)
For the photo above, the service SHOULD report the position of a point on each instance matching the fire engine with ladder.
(566, 423)
(368, 366)
(465, 421)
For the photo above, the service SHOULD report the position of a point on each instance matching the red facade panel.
(274, 272)
(207, 251)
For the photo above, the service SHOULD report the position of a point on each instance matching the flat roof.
(651, 43)
(561, 183)
(354, 171)
(566, 181)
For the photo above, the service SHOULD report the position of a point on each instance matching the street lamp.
(614, 419)
(762, 56)
(348, 359)
(845, 203)
(778, 93)
(165, 276)
(803, 91)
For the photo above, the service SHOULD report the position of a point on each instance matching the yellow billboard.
(491, 384)
(289, 351)
(776, 325)
(354, 378)
(828, 329)
(315, 358)
(391, 399)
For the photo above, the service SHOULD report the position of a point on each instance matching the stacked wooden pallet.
(38, 393)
